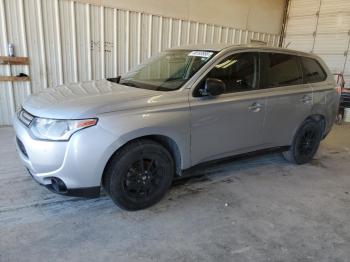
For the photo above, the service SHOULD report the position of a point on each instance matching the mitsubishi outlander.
(134, 134)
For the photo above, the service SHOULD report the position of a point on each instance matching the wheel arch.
(171, 146)
(163, 140)
(319, 118)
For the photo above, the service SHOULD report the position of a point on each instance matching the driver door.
(230, 123)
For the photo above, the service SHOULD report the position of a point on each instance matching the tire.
(139, 175)
(305, 143)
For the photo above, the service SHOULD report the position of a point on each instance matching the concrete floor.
(276, 212)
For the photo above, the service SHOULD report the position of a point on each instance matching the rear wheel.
(139, 175)
(305, 143)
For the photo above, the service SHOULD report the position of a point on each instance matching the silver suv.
(133, 134)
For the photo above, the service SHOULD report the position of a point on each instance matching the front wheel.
(305, 143)
(139, 175)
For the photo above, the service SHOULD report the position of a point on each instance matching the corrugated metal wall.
(68, 41)
(321, 27)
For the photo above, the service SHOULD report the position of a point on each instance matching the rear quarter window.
(313, 71)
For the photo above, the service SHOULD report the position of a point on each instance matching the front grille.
(25, 117)
(21, 147)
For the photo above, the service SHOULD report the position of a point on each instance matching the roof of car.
(206, 47)
(220, 47)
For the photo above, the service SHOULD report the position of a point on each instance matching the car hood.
(87, 99)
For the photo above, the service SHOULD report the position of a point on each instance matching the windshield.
(168, 71)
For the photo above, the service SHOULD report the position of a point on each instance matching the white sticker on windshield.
(205, 54)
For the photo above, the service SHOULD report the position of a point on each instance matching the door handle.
(255, 107)
(306, 99)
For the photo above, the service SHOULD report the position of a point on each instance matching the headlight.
(62, 130)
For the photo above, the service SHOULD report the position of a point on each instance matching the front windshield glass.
(168, 71)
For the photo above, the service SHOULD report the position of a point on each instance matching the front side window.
(313, 72)
(238, 72)
(167, 71)
(282, 70)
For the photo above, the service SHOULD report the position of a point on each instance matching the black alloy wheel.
(305, 143)
(139, 174)
(143, 178)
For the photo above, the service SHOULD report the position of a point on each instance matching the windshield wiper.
(129, 84)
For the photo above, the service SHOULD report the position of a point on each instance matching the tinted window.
(282, 70)
(238, 72)
(313, 72)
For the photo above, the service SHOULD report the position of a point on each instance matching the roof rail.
(258, 42)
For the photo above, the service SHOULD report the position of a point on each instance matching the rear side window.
(282, 70)
(313, 72)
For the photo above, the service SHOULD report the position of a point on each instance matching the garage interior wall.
(254, 15)
(321, 27)
(70, 41)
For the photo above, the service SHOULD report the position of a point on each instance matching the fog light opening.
(58, 185)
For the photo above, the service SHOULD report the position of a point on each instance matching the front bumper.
(77, 163)
(88, 192)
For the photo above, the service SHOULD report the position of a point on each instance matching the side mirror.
(213, 87)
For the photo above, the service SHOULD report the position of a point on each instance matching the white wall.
(321, 27)
(254, 15)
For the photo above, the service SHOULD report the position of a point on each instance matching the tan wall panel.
(253, 15)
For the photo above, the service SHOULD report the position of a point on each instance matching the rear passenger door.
(289, 100)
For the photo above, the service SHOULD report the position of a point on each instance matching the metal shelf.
(13, 60)
(14, 78)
